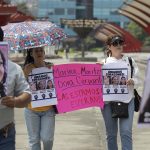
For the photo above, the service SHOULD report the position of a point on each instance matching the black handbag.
(119, 109)
(137, 99)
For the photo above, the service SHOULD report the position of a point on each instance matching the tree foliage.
(22, 7)
(88, 41)
(147, 41)
(138, 33)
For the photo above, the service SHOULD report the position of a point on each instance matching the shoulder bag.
(137, 99)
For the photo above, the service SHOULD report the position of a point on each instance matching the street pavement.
(84, 129)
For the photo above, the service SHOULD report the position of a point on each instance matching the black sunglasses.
(117, 42)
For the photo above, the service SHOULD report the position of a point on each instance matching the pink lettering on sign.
(78, 86)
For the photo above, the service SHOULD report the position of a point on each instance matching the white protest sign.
(115, 76)
(42, 87)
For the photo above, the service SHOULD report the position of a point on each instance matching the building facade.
(84, 9)
(54, 10)
(107, 10)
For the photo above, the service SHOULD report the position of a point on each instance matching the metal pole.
(83, 46)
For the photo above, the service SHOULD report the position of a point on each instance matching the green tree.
(82, 33)
(147, 41)
(22, 7)
(137, 31)
(89, 41)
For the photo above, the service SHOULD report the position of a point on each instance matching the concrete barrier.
(86, 59)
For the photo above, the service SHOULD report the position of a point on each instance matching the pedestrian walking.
(115, 45)
(67, 49)
(17, 96)
(40, 121)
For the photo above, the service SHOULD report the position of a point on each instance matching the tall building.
(84, 9)
(54, 10)
(71, 9)
(107, 10)
(77, 9)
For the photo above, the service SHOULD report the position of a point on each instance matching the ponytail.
(29, 58)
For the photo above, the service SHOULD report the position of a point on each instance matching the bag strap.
(131, 65)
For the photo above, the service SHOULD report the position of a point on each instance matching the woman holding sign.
(40, 121)
(116, 58)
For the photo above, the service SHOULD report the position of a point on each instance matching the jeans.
(8, 143)
(125, 127)
(40, 127)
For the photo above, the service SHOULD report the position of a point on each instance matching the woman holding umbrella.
(40, 121)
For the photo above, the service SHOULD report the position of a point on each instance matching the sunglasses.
(117, 43)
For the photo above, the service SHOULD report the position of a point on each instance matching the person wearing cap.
(115, 45)
(18, 96)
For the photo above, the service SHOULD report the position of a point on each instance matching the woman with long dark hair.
(40, 121)
(3, 75)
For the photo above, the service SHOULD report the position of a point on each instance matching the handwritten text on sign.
(78, 86)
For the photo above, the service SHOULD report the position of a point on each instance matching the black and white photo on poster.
(115, 76)
(114, 81)
(42, 86)
(144, 114)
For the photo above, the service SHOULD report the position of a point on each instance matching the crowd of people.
(40, 121)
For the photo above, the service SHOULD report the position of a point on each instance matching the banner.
(3, 68)
(78, 86)
(115, 76)
(144, 115)
(42, 87)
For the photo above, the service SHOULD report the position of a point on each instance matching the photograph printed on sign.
(114, 81)
(42, 87)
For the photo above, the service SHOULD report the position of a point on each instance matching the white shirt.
(120, 62)
(16, 84)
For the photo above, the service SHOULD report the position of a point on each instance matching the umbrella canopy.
(32, 34)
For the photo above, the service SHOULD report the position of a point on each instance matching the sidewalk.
(81, 130)
(78, 130)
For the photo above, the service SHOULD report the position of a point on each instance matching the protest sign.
(3, 68)
(144, 115)
(42, 87)
(115, 76)
(78, 86)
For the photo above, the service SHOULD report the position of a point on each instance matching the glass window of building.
(71, 11)
(80, 3)
(59, 11)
